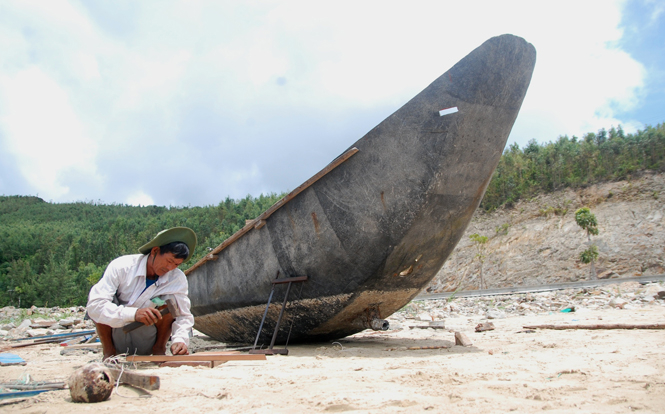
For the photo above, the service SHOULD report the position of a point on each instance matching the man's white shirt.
(126, 277)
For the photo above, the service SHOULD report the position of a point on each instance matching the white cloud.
(139, 198)
(46, 136)
(232, 87)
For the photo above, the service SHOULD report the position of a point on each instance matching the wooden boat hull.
(375, 229)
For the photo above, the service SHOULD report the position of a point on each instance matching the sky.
(185, 103)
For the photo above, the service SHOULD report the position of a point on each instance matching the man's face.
(164, 263)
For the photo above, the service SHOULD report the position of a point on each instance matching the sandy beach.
(508, 369)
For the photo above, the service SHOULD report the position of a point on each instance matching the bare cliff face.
(538, 241)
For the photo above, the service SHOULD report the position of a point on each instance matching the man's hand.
(179, 348)
(147, 316)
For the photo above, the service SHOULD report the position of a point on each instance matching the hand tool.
(171, 307)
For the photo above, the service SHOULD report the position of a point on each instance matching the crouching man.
(124, 295)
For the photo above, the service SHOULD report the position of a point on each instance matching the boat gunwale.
(259, 222)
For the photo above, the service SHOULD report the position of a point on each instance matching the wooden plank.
(279, 204)
(147, 382)
(195, 357)
(176, 364)
(290, 279)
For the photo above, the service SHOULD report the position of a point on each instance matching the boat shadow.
(383, 345)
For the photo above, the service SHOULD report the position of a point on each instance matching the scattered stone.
(485, 326)
(8, 326)
(67, 322)
(42, 323)
(495, 314)
(607, 275)
(395, 326)
(660, 295)
(23, 326)
(36, 332)
(424, 317)
(461, 339)
(398, 317)
(618, 303)
(4, 332)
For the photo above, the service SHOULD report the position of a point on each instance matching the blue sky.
(643, 25)
(186, 103)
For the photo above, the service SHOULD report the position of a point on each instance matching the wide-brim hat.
(175, 234)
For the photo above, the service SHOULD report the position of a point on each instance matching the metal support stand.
(271, 350)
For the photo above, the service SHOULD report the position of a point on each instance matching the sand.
(505, 370)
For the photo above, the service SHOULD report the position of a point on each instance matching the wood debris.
(600, 326)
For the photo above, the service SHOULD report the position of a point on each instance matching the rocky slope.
(538, 242)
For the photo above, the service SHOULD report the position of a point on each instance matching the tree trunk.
(481, 275)
(594, 275)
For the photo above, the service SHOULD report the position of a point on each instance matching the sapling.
(587, 221)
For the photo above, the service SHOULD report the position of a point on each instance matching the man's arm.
(100, 301)
(184, 323)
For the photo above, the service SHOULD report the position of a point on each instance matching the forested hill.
(51, 254)
(574, 162)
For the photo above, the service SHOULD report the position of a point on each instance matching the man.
(124, 295)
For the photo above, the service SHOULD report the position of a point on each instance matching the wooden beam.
(289, 279)
(279, 204)
(147, 382)
(195, 357)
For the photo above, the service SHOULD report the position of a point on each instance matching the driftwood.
(600, 326)
(133, 378)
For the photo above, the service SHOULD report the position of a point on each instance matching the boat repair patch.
(446, 111)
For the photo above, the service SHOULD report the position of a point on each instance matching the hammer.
(171, 307)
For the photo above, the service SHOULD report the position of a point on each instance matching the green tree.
(587, 221)
(480, 243)
(53, 253)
